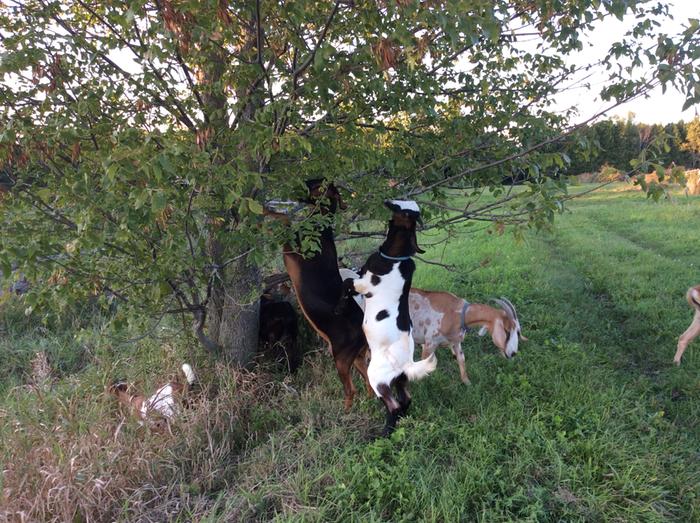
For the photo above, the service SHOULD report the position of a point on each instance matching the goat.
(318, 288)
(278, 331)
(441, 318)
(384, 281)
(692, 332)
(161, 406)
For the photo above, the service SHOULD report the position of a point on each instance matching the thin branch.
(525, 152)
(190, 81)
(306, 63)
(448, 267)
(187, 221)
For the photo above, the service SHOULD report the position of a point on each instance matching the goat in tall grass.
(161, 406)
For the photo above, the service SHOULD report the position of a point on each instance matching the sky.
(658, 107)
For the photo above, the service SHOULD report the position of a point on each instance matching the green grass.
(590, 422)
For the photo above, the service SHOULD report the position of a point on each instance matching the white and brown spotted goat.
(442, 319)
(162, 406)
(385, 281)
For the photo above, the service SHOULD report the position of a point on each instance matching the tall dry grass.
(73, 455)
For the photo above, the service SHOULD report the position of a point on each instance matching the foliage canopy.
(141, 140)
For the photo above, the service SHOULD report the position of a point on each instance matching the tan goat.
(693, 297)
(442, 319)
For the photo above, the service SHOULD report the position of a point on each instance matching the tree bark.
(233, 312)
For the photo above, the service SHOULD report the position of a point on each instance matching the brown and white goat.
(692, 332)
(162, 405)
(442, 319)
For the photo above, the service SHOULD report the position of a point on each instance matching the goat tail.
(417, 370)
(189, 374)
(693, 297)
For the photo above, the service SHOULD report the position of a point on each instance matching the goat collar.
(393, 258)
(463, 326)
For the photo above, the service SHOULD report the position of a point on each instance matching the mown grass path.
(591, 422)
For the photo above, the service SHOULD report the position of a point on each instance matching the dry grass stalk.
(74, 457)
(42, 374)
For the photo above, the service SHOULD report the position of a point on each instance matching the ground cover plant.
(590, 422)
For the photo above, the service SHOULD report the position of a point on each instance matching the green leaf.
(44, 194)
(254, 206)
(158, 201)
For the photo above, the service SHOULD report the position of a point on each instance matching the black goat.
(278, 332)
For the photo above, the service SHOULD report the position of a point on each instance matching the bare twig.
(306, 63)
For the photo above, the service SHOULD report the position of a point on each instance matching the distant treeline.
(616, 142)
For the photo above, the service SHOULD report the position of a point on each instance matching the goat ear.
(392, 206)
(334, 194)
(414, 242)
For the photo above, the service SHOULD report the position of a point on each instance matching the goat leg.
(393, 408)
(402, 394)
(343, 367)
(457, 351)
(689, 335)
(348, 291)
(361, 366)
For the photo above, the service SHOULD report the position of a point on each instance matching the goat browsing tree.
(140, 140)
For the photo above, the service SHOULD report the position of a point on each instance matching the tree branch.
(306, 63)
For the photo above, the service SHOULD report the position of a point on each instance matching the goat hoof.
(676, 362)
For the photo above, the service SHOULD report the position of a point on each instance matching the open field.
(590, 422)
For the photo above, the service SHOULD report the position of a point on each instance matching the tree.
(692, 141)
(144, 138)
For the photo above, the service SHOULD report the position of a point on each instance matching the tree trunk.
(233, 312)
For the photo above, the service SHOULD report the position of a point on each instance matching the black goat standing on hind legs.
(385, 281)
(318, 288)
